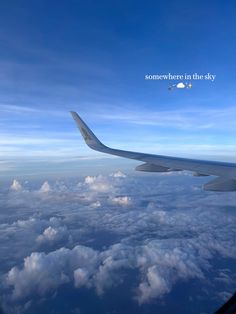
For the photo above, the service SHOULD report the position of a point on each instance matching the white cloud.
(163, 267)
(81, 277)
(13, 109)
(165, 242)
(43, 273)
(98, 184)
(45, 188)
(180, 85)
(25, 223)
(16, 186)
(160, 266)
(51, 235)
(155, 286)
(96, 204)
(122, 200)
(89, 180)
(192, 118)
(118, 174)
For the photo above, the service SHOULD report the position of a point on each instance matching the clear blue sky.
(92, 56)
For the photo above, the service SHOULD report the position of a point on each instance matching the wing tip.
(90, 138)
(74, 114)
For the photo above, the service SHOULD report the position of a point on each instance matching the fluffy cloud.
(180, 85)
(122, 200)
(16, 186)
(43, 273)
(154, 286)
(96, 204)
(166, 236)
(45, 188)
(118, 174)
(89, 180)
(98, 184)
(164, 267)
(160, 266)
(51, 235)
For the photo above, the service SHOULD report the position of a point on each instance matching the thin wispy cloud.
(195, 131)
(182, 118)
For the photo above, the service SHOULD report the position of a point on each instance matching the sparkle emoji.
(190, 85)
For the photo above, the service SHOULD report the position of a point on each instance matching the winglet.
(91, 140)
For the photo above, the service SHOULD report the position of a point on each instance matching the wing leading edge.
(226, 172)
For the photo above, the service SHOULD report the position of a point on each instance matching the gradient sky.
(92, 57)
(137, 237)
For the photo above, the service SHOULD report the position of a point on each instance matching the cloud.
(164, 267)
(96, 204)
(180, 85)
(45, 188)
(98, 184)
(122, 200)
(155, 286)
(81, 277)
(52, 235)
(31, 222)
(60, 186)
(89, 180)
(42, 273)
(16, 186)
(166, 236)
(30, 142)
(118, 174)
(160, 268)
(14, 109)
(56, 187)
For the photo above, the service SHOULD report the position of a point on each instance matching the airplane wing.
(225, 172)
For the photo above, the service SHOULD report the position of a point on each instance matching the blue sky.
(92, 57)
(83, 230)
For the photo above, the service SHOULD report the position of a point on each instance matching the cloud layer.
(90, 234)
